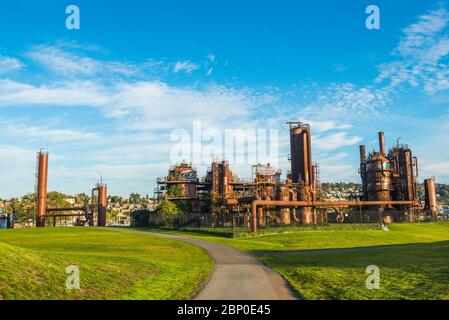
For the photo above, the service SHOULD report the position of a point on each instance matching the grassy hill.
(113, 265)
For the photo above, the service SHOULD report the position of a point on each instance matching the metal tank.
(283, 194)
(378, 178)
(430, 196)
(301, 166)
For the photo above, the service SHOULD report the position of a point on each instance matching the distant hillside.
(443, 193)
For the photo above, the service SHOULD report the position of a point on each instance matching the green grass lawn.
(113, 265)
(406, 272)
(418, 269)
(333, 236)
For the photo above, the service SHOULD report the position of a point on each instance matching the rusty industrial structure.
(388, 189)
(390, 177)
(48, 216)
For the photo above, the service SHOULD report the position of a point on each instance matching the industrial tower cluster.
(389, 187)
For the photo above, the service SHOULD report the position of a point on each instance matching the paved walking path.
(238, 275)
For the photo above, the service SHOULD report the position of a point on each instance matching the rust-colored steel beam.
(66, 209)
(41, 188)
(311, 204)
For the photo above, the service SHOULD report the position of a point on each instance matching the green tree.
(134, 198)
(115, 199)
(174, 191)
(57, 200)
(167, 208)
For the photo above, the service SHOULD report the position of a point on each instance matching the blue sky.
(107, 97)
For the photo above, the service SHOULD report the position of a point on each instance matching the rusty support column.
(254, 217)
(41, 188)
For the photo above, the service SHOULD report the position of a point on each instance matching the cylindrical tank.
(102, 204)
(378, 178)
(430, 195)
(284, 213)
(301, 166)
(301, 156)
(41, 188)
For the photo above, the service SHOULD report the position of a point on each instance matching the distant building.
(71, 200)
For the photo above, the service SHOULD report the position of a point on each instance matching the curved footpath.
(237, 275)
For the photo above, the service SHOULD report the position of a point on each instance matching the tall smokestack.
(362, 153)
(41, 188)
(381, 143)
(102, 203)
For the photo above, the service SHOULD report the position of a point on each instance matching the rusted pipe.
(66, 209)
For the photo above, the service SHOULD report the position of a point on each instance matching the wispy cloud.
(347, 100)
(9, 64)
(334, 141)
(24, 130)
(185, 66)
(69, 63)
(421, 54)
(147, 102)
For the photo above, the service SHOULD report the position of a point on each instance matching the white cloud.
(334, 141)
(423, 40)
(75, 93)
(24, 130)
(69, 63)
(422, 53)
(9, 64)
(185, 66)
(346, 100)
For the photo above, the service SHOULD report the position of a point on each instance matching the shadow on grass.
(439, 249)
(345, 250)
